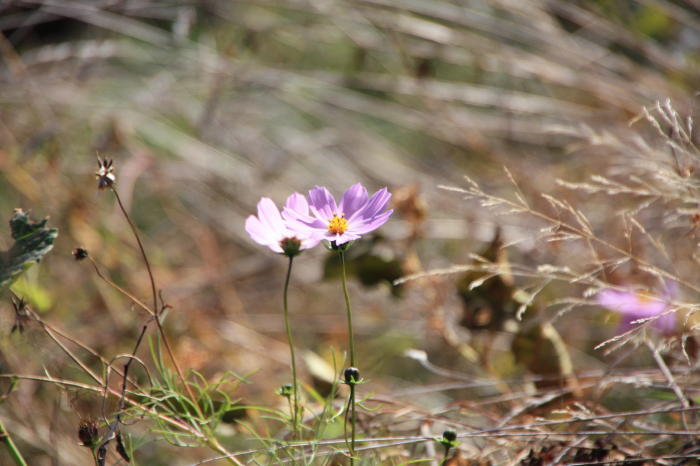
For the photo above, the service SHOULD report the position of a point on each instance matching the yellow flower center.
(338, 225)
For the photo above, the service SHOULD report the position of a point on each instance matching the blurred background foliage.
(205, 106)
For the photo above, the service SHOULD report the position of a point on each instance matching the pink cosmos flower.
(637, 305)
(355, 215)
(270, 229)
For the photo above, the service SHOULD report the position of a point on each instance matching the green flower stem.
(347, 308)
(288, 328)
(444, 457)
(351, 343)
(352, 423)
(10, 444)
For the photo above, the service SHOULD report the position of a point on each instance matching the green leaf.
(32, 241)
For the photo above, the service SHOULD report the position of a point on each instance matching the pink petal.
(361, 228)
(311, 242)
(270, 217)
(276, 247)
(297, 203)
(258, 232)
(322, 204)
(353, 199)
(298, 223)
(375, 204)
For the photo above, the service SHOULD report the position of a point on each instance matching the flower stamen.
(338, 225)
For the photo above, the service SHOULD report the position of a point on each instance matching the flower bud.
(351, 375)
(290, 246)
(285, 390)
(448, 439)
(449, 435)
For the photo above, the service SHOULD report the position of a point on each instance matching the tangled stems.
(295, 387)
(351, 343)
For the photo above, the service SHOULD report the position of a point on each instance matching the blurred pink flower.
(271, 229)
(355, 215)
(638, 305)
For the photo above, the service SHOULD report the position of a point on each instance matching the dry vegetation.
(494, 331)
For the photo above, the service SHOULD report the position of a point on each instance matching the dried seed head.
(88, 433)
(21, 315)
(80, 254)
(105, 174)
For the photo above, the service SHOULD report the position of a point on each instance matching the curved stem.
(156, 312)
(288, 328)
(141, 248)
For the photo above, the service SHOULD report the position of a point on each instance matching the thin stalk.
(11, 447)
(671, 381)
(49, 331)
(445, 456)
(348, 309)
(155, 305)
(128, 365)
(141, 248)
(353, 421)
(211, 439)
(351, 344)
(119, 288)
(114, 392)
(288, 328)
(54, 330)
(114, 425)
